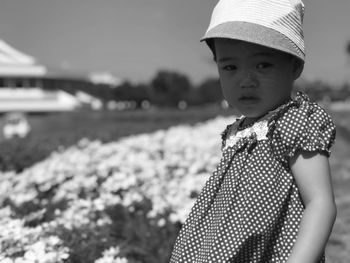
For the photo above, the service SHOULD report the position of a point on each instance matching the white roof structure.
(15, 63)
(36, 100)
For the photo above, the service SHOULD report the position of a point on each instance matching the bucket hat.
(276, 24)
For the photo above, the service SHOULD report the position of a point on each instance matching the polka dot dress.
(250, 209)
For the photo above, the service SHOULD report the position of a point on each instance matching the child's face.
(254, 79)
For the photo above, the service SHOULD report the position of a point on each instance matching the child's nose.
(248, 80)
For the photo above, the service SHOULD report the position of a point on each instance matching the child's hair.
(274, 24)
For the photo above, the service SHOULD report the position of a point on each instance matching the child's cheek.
(230, 94)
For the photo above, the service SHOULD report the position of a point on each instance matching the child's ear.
(298, 67)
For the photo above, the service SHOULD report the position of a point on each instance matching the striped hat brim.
(254, 33)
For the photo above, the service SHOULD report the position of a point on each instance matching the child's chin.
(252, 113)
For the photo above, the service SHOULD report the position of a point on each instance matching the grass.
(56, 131)
(111, 125)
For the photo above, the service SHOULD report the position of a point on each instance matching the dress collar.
(235, 131)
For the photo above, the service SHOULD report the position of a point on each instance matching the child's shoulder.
(302, 114)
(303, 124)
(301, 105)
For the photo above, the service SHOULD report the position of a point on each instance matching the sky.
(134, 39)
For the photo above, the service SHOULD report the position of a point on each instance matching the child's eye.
(264, 65)
(229, 67)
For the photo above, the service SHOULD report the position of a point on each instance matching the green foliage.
(17, 154)
(210, 91)
(127, 92)
(321, 91)
(140, 239)
(168, 88)
(348, 48)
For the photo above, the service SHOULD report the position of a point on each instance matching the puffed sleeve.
(306, 127)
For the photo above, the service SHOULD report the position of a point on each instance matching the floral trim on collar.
(259, 129)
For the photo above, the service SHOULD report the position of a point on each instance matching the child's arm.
(312, 174)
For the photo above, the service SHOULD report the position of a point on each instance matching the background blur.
(110, 120)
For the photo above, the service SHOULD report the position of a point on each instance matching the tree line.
(166, 89)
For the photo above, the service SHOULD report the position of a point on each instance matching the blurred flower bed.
(125, 201)
(114, 202)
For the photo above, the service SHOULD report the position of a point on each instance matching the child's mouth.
(249, 100)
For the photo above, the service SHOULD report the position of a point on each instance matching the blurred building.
(18, 69)
(28, 86)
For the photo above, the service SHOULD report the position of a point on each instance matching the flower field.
(112, 202)
(124, 201)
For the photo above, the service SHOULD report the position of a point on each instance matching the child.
(270, 199)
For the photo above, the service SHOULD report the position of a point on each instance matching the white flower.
(111, 256)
